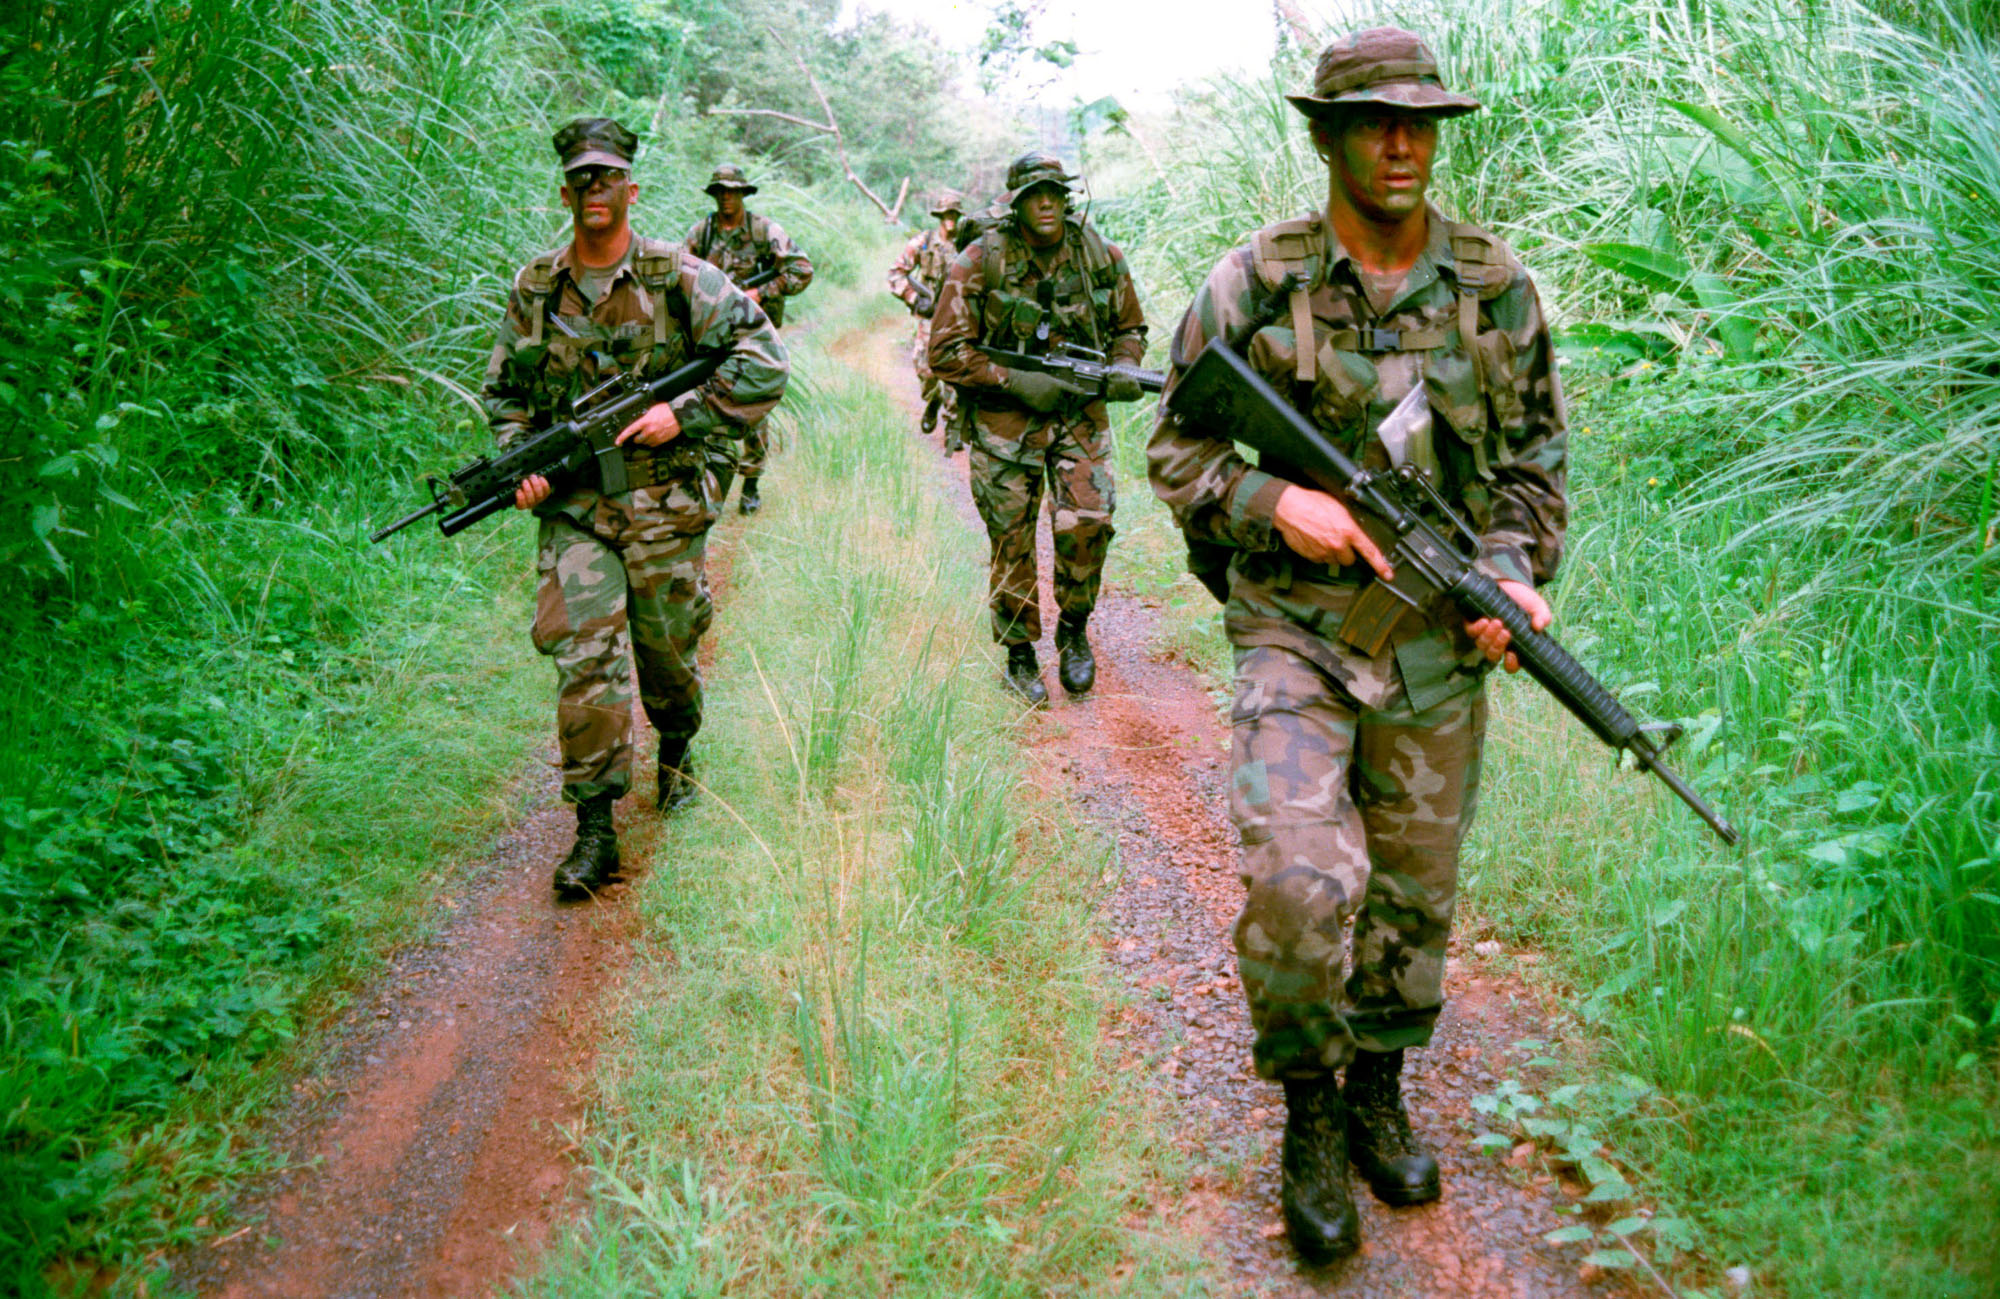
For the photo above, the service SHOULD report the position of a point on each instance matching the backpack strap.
(1484, 268)
(1484, 272)
(657, 263)
(1296, 248)
(538, 282)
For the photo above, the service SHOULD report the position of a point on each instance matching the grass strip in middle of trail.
(860, 1046)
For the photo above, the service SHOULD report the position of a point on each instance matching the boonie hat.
(729, 176)
(1032, 169)
(947, 200)
(1384, 66)
(595, 142)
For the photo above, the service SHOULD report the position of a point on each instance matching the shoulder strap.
(657, 263)
(1482, 262)
(538, 281)
(704, 239)
(1297, 248)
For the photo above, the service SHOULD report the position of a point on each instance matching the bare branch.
(831, 126)
(772, 112)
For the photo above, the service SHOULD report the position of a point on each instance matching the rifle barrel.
(406, 521)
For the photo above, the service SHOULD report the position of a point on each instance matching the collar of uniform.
(1423, 272)
(566, 263)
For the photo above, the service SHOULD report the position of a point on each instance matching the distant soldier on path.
(1041, 277)
(622, 577)
(1356, 776)
(743, 243)
(917, 277)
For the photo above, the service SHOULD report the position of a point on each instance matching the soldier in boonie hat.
(595, 142)
(1032, 169)
(1383, 67)
(947, 200)
(728, 176)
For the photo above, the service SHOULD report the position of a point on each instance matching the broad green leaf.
(46, 519)
(1604, 1192)
(1652, 268)
(1626, 1226)
(1734, 137)
(1609, 1258)
(1569, 1235)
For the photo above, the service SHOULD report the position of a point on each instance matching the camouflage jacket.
(990, 297)
(1498, 445)
(756, 244)
(925, 260)
(661, 308)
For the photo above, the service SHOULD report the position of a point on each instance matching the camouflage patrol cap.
(947, 200)
(729, 176)
(1384, 67)
(1032, 169)
(595, 142)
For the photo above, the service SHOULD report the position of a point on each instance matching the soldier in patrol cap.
(1355, 776)
(622, 577)
(1038, 278)
(916, 277)
(743, 243)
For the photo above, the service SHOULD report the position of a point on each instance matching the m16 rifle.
(563, 451)
(1221, 391)
(1083, 368)
(560, 453)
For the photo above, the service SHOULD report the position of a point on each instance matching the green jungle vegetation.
(253, 258)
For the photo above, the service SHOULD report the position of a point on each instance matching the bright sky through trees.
(1136, 50)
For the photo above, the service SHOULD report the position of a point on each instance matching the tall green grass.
(1768, 236)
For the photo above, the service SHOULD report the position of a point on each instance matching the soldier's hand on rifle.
(756, 295)
(1490, 634)
(1036, 391)
(922, 302)
(532, 491)
(1319, 528)
(1121, 382)
(656, 427)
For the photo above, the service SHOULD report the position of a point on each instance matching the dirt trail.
(431, 1153)
(1145, 756)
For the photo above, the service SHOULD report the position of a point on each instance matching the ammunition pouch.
(652, 466)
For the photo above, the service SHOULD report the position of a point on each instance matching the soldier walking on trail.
(1355, 777)
(743, 243)
(1037, 279)
(622, 582)
(916, 278)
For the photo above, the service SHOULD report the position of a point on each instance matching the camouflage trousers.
(1350, 817)
(1008, 465)
(942, 393)
(623, 587)
(756, 450)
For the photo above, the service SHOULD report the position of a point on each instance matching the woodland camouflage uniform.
(1355, 778)
(925, 261)
(756, 244)
(990, 297)
(627, 570)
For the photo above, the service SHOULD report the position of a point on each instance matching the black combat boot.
(676, 789)
(1024, 674)
(931, 414)
(1385, 1150)
(1074, 663)
(749, 502)
(593, 862)
(1319, 1212)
